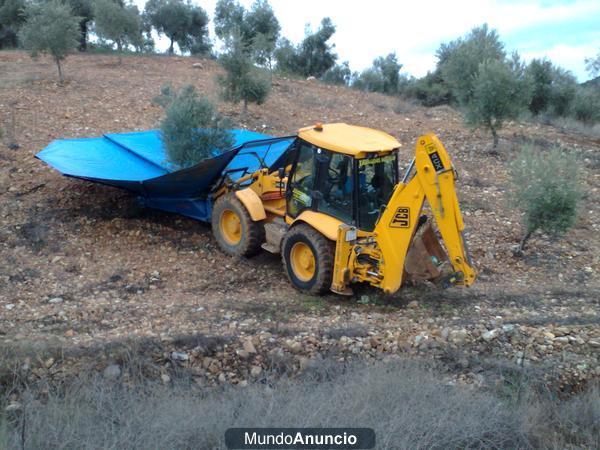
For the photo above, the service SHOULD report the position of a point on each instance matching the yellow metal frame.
(376, 257)
(326, 225)
(253, 203)
(438, 186)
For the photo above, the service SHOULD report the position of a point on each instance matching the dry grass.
(407, 404)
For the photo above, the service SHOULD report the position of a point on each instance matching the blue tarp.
(137, 162)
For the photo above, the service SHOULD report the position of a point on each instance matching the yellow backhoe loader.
(337, 210)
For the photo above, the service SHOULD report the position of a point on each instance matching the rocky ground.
(85, 269)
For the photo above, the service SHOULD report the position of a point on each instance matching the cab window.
(302, 181)
(336, 187)
(377, 178)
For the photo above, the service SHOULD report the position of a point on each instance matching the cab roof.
(349, 139)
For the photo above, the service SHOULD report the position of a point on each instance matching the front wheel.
(235, 231)
(308, 259)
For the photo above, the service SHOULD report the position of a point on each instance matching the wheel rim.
(303, 261)
(231, 227)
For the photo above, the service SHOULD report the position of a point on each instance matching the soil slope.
(83, 266)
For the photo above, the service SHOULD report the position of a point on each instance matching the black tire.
(252, 233)
(323, 251)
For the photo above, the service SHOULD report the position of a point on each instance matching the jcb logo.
(401, 218)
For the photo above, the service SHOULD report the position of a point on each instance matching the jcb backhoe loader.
(337, 210)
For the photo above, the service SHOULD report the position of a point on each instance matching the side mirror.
(281, 173)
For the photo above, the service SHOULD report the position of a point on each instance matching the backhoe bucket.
(426, 259)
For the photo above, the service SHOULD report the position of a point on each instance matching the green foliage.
(229, 18)
(592, 65)
(498, 93)
(428, 91)
(50, 28)
(85, 11)
(313, 57)
(286, 58)
(383, 76)
(459, 60)
(12, 16)
(264, 28)
(546, 189)
(553, 88)
(540, 72)
(339, 74)
(118, 23)
(586, 105)
(182, 22)
(258, 28)
(564, 87)
(192, 128)
(242, 80)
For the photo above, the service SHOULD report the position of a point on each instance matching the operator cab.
(343, 171)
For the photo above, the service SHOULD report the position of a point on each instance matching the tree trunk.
(171, 49)
(245, 109)
(119, 50)
(83, 37)
(60, 74)
(524, 240)
(495, 137)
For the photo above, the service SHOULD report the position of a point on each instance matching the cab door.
(301, 186)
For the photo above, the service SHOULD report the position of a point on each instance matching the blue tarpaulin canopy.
(137, 162)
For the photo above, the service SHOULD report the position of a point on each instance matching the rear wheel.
(308, 259)
(235, 231)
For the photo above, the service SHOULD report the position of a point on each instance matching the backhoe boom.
(434, 180)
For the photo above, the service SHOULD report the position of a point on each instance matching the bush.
(586, 105)
(546, 189)
(428, 91)
(192, 129)
(408, 405)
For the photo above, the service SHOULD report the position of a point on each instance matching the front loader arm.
(434, 180)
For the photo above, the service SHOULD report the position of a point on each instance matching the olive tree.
(50, 28)
(85, 11)
(182, 23)
(383, 76)
(312, 57)
(498, 94)
(459, 60)
(258, 27)
(11, 18)
(242, 81)
(120, 23)
(192, 129)
(546, 189)
(339, 74)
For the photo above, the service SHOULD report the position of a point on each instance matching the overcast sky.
(566, 31)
